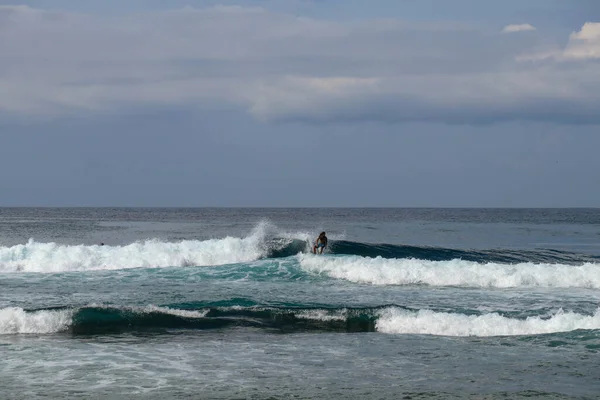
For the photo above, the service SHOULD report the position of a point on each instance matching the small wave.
(15, 320)
(101, 319)
(401, 321)
(98, 319)
(382, 271)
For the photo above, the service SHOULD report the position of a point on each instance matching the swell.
(344, 247)
(102, 320)
(240, 313)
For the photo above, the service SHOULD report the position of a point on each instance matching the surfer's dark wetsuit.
(321, 243)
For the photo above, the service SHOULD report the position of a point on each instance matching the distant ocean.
(230, 303)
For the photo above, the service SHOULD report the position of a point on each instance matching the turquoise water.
(230, 303)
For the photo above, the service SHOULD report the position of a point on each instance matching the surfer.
(320, 243)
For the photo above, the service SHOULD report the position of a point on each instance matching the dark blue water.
(230, 303)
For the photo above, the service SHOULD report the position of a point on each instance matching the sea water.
(231, 303)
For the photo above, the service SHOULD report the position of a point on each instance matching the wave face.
(382, 271)
(344, 247)
(94, 320)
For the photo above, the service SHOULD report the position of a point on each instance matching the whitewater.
(222, 303)
(55, 258)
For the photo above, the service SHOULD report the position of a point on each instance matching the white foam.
(396, 320)
(15, 320)
(381, 271)
(151, 308)
(52, 257)
(174, 311)
(322, 315)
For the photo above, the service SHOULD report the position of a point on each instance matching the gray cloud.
(281, 67)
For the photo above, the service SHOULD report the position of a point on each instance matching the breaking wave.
(397, 320)
(362, 262)
(98, 319)
(382, 271)
(53, 257)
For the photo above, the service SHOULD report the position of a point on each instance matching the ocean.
(217, 303)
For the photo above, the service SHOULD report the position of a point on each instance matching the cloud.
(281, 67)
(518, 28)
(462, 99)
(584, 44)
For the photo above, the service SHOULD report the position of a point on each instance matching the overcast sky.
(429, 103)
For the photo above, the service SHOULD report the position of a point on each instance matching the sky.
(300, 103)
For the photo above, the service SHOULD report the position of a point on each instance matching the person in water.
(320, 243)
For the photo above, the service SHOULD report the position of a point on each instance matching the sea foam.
(53, 257)
(15, 320)
(400, 321)
(381, 271)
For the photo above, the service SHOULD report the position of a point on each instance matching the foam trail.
(175, 312)
(381, 271)
(15, 320)
(156, 309)
(323, 315)
(396, 320)
(52, 257)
